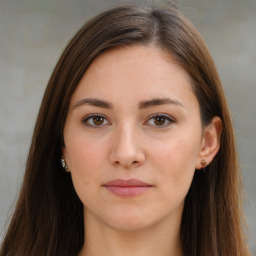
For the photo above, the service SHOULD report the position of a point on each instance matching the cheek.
(175, 170)
(85, 161)
(84, 152)
(175, 160)
(86, 172)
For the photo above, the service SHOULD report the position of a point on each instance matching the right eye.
(95, 121)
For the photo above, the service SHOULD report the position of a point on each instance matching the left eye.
(160, 120)
(95, 121)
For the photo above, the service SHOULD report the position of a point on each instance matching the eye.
(95, 120)
(160, 120)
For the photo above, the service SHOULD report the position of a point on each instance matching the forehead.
(134, 73)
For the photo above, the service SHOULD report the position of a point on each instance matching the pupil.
(98, 120)
(159, 120)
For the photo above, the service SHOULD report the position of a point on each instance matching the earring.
(203, 163)
(63, 163)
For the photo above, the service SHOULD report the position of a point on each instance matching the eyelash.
(92, 116)
(166, 117)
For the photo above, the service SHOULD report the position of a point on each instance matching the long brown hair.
(48, 218)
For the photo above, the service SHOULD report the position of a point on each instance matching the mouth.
(127, 188)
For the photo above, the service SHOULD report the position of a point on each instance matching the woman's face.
(133, 137)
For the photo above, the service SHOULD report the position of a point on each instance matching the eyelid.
(168, 117)
(87, 117)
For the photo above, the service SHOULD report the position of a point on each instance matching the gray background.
(33, 34)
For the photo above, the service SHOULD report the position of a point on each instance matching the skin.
(128, 141)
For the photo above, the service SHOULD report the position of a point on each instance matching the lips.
(127, 188)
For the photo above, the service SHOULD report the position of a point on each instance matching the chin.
(129, 220)
(131, 225)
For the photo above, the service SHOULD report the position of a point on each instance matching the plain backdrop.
(33, 34)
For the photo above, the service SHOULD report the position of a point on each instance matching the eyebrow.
(144, 104)
(94, 102)
(157, 102)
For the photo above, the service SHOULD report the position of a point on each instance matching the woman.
(136, 112)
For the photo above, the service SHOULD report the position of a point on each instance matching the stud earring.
(203, 163)
(63, 163)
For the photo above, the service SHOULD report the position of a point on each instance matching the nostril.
(134, 163)
(127, 165)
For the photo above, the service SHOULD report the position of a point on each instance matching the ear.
(64, 156)
(210, 143)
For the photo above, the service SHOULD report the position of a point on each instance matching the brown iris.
(98, 120)
(159, 120)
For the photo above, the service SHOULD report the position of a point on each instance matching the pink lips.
(127, 188)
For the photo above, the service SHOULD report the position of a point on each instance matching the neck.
(158, 240)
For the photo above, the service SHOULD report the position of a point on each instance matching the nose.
(126, 150)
